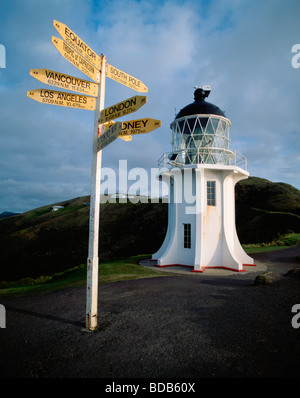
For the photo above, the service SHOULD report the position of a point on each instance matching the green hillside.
(266, 195)
(43, 242)
(265, 210)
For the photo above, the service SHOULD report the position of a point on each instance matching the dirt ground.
(179, 326)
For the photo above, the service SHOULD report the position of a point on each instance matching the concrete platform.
(177, 269)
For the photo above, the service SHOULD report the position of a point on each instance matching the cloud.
(242, 49)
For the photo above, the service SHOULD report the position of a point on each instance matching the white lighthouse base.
(201, 219)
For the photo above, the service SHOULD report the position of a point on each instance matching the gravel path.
(179, 326)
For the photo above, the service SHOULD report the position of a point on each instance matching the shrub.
(290, 239)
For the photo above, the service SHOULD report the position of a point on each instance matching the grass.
(67, 209)
(109, 272)
(126, 269)
(282, 242)
(116, 270)
(262, 249)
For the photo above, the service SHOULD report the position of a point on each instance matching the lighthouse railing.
(240, 160)
(202, 156)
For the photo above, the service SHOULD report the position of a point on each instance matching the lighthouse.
(201, 172)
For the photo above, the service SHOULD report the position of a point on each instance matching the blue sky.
(241, 48)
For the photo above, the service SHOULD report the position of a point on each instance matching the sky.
(241, 48)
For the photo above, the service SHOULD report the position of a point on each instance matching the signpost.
(122, 108)
(139, 126)
(93, 258)
(74, 41)
(73, 49)
(109, 136)
(75, 58)
(126, 137)
(125, 79)
(62, 99)
(64, 81)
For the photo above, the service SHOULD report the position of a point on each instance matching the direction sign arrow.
(109, 136)
(107, 125)
(67, 82)
(139, 126)
(60, 98)
(122, 108)
(71, 38)
(125, 137)
(76, 59)
(125, 79)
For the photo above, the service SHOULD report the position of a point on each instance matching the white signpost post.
(106, 130)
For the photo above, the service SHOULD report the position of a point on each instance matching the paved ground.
(215, 324)
(260, 267)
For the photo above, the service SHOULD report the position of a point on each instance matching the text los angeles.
(64, 96)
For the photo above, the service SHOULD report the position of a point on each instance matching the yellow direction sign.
(139, 126)
(109, 136)
(122, 108)
(126, 137)
(124, 78)
(107, 125)
(76, 59)
(62, 99)
(71, 38)
(67, 82)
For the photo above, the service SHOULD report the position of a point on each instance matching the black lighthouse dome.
(200, 106)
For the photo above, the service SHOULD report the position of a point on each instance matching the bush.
(290, 239)
(26, 282)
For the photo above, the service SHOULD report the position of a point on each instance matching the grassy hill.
(265, 210)
(266, 195)
(43, 242)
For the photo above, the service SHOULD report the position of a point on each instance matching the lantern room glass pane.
(215, 123)
(180, 125)
(209, 128)
(189, 128)
(204, 121)
(222, 127)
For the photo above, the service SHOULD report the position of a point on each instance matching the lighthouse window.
(211, 193)
(187, 236)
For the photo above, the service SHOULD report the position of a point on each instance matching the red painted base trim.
(249, 265)
(230, 269)
(201, 269)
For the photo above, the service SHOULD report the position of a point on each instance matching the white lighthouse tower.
(202, 172)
